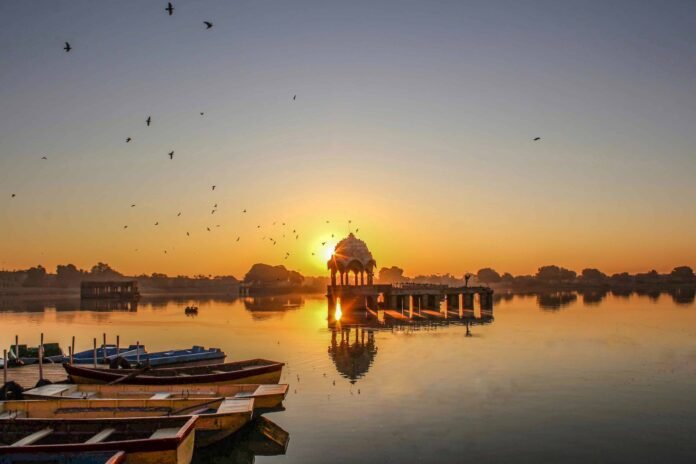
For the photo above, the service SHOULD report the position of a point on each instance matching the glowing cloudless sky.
(413, 119)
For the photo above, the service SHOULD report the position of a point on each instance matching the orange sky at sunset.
(415, 123)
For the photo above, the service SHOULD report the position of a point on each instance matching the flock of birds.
(285, 234)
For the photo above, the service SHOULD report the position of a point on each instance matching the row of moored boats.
(139, 413)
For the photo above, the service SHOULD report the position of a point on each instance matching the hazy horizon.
(413, 120)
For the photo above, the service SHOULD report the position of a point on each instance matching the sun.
(327, 250)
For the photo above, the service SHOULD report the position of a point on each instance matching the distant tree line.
(70, 276)
(546, 276)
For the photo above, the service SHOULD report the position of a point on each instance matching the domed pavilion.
(352, 255)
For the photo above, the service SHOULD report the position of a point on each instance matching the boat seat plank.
(165, 433)
(276, 389)
(12, 415)
(183, 374)
(101, 436)
(161, 396)
(49, 390)
(33, 438)
(218, 372)
(236, 405)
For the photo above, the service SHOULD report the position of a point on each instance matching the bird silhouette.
(128, 139)
(215, 205)
(13, 195)
(133, 205)
(67, 47)
(208, 229)
(208, 24)
(125, 227)
(356, 230)
(536, 139)
(323, 243)
(213, 187)
(202, 113)
(171, 155)
(244, 211)
(44, 158)
(157, 223)
(258, 227)
(294, 97)
(169, 9)
(178, 215)
(187, 234)
(148, 120)
(237, 238)
(212, 212)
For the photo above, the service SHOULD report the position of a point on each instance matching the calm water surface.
(550, 379)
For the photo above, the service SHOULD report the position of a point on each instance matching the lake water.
(561, 378)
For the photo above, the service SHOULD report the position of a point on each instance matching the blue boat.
(108, 352)
(187, 356)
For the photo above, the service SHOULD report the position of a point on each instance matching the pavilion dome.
(350, 252)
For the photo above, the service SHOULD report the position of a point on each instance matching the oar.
(176, 412)
(129, 376)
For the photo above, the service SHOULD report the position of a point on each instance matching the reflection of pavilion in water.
(264, 307)
(352, 359)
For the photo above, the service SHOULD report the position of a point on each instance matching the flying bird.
(187, 234)
(169, 9)
(323, 243)
(171, 155)
(178, 215)
(67, 47)
(202, 113)
(536, 139)
(208, 229)
(237, 238)
(208, 24)
(133, 205)
(157, 223)
(147, 121)
(125, 227)
(244, 211)
(13, 195)
(128, 139)
(294, 97)
(213, 187)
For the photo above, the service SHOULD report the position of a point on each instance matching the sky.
(413, 120)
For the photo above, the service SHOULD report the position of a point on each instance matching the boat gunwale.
(136, 445)
(109, 375)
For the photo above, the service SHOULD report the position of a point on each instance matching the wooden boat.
(91, 457)
(250, 371)
(30, 355)
(165, 440)
(108, 352)
(218, 417)
(269, 396)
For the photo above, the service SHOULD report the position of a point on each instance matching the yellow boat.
(269, 396)
(218, 417)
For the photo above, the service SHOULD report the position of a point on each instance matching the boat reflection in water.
(261, 437)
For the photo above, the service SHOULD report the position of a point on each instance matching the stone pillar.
(369, 277)
(333, 277)
(362, 277)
